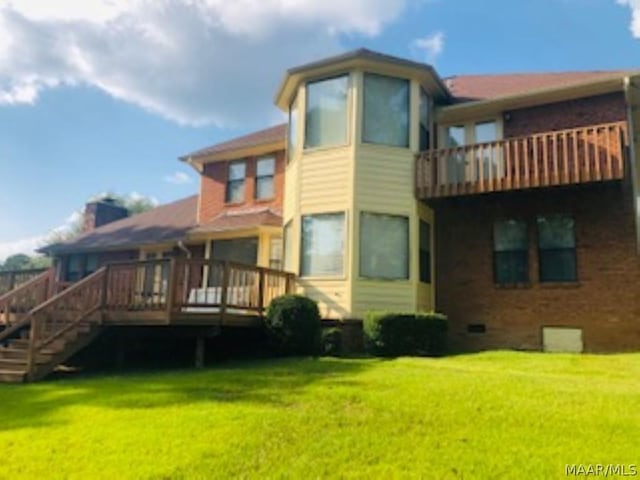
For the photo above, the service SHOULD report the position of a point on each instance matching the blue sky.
(104, 95)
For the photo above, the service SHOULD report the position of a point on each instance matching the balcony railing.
(578, 155)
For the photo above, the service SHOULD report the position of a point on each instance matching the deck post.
(170, 288)
(225, 286)
(200, 349)
(105, 287)
(261, 275)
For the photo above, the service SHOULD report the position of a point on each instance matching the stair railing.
(19, 301)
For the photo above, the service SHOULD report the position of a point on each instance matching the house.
(508, 202)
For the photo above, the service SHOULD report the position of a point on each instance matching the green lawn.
(493, 415)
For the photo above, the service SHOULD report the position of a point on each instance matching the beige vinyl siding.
(333, 296)
(384, 184)
(325, 180)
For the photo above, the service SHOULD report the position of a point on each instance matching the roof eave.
(462, 111)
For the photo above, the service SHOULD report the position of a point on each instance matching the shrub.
(332, 341)
(292, 323)
(394, 334)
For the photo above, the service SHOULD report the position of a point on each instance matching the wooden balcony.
(565, 157)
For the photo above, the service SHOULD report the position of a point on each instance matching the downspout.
(634, 168)
(184, 248)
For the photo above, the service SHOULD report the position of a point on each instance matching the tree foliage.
(20, 261)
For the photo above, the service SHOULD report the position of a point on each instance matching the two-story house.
(510, 203)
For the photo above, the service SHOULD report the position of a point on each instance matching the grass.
(492, 415)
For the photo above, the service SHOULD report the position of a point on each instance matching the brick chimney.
(102, 212)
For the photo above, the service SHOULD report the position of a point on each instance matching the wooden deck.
(566, 157)
(44, 324)
(14, 278)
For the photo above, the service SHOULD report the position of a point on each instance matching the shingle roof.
(261, 137)
(165, 223)
(483, 87)
(241, 219)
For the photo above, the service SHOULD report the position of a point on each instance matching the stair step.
(11, 376)
(13, 365)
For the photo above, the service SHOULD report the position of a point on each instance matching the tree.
(20, 261)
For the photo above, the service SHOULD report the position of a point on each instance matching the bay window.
(386, 110)
(326, 112)
(322, 249)
(384, 246)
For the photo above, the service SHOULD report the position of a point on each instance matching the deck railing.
(579, 155)
(27, 295)
(14, 278)
(192, 286)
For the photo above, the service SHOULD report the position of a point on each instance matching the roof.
(466, 88)
(261, 137)
(241, 219)
(165, 223)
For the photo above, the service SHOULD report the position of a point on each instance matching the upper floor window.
(510, 252)
(326, 112)
(235, 181)
(265, 171)
(386, 110)
(557, 249)
(292, 134)
(424, 120)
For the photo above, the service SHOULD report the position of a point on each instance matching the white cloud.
(430, 46)
(23, 245)
(178, 178)
(634, 5)
(193, 61)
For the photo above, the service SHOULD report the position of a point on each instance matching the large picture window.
(386, 110)
(384, 246)
(235, 182)
(510, 252)
(322, 250)
(326, 112)
(557, 249)
(265, 171)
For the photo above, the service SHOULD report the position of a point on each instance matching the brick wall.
(569, 114)
(605, 302)
(213, 185)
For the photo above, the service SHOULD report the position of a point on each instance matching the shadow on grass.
(275, 382)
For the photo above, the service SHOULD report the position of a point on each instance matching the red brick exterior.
(213, 183)
(605, 302)
(562, 115)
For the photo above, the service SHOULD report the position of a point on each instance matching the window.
(386, 110)
(275, 253)
(74, 268)
(239, 250)
(557, 249)
(292, 135)
(326, 112)
(510, 252)
(235, 182)
(424, 120)
(288, 247)
(425, 252)
(322, 250)
(384, 246)
(265, 170)
(456, 161)
(486, 132)
(91, 263)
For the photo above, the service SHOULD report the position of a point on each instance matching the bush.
(293, 327)
(332, 341)
(395, 334)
